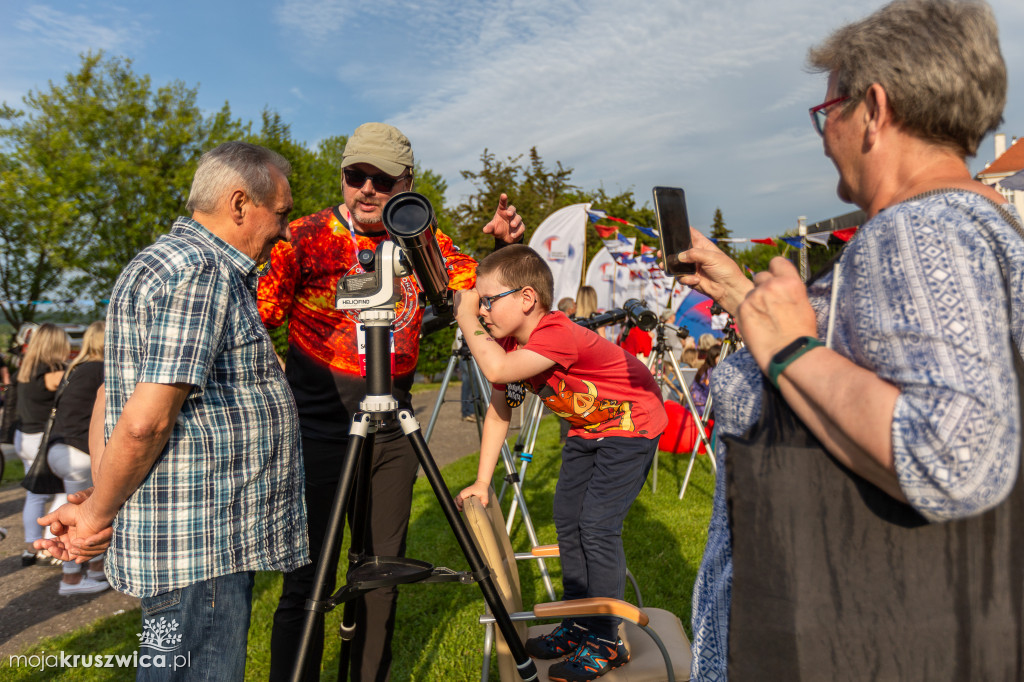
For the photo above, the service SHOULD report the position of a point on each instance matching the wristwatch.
(785, 357)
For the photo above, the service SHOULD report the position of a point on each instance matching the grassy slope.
(437, 635)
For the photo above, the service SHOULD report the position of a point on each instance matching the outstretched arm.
(493, 437)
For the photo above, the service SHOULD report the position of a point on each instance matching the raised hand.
(718, 276)
(775, 312)
(506, 225)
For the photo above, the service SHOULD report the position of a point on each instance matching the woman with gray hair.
(898, 374)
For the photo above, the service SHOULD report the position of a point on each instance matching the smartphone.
(673, 229)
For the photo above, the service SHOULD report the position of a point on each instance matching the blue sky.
(711, 97)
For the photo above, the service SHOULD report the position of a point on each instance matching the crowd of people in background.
(54, 386)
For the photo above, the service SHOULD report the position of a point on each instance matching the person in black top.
(38, 377)
(68, 452)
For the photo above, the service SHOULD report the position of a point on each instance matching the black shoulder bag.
(39, 478)
(835, 580)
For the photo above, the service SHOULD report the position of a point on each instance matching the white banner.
(601, 276)
(561, 242)
(613, 283)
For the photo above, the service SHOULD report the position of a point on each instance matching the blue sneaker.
(593, 658)
(562, 641)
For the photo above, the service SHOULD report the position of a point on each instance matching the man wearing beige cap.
(323, 370)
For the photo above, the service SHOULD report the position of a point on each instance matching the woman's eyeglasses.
(381, 183)
(488, 301)
(819, 114)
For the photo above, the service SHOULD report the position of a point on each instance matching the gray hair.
(938, 60)
(232, 163)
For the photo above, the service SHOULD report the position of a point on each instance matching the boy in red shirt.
(614, 408)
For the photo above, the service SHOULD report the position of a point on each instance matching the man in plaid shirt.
(201, 477)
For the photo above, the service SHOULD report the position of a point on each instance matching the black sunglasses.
(381, 183)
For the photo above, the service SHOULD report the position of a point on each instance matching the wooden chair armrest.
(596, 606)
(544, 550)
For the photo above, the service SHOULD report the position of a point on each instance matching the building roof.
(1011, 161)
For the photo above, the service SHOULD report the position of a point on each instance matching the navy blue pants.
(597, 484)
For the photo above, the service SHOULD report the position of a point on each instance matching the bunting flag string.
(595, 215)
(820, 238)
(607, 232)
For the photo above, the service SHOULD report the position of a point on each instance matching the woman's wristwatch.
(785, 357)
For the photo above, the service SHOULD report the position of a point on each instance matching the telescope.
(633, 311)
(409, 219)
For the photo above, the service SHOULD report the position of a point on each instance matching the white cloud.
(117, 32)
(315, 20)
(653, 98)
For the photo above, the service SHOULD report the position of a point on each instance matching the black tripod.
(366, 573)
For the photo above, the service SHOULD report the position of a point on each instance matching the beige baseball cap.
(379, 145)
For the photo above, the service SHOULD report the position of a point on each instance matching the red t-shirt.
(599, 388)
(638, 342)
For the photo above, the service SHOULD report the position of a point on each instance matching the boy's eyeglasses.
(381, 183)
(819, 114)
(488, 301)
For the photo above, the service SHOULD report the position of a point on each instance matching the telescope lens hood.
(407, 214)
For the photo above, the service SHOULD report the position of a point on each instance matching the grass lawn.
(14, 470)
(437, 634)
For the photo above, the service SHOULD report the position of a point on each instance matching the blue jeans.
(597, 484)
(197, 632)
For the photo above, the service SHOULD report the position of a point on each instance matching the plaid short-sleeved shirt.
(226, 494)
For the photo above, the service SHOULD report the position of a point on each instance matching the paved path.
(31, 609)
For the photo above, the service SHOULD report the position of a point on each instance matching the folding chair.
(659, 649)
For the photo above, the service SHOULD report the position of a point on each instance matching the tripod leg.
(518, 499)
(360, 520)
(315, 607)
(525, 665)
(448, 372)
(697, 417)
(532, 416)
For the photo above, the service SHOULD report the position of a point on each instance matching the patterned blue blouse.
(921, 301)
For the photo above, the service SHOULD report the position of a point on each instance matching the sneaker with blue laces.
(594, 657)
(561, 642)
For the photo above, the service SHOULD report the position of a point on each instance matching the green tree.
(720, 231)
(435, 352)
(536, 191)
(316, 173)
(433, 187)
(756, 256)
(94, 169)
